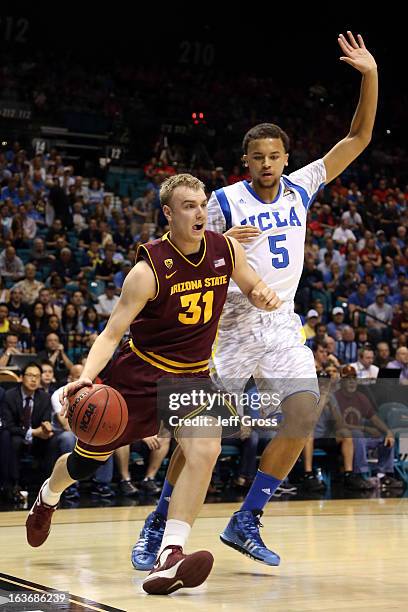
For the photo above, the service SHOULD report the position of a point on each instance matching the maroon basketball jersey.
(176, 329)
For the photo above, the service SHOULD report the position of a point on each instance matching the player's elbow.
(360, 140)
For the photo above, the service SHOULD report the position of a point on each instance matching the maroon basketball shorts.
(138, 381)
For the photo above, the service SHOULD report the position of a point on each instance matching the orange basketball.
(97, 415)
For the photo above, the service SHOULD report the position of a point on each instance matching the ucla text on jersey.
(277, 253)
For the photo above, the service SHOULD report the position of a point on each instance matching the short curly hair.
(265, 130)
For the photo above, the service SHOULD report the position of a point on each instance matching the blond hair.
(178, 180)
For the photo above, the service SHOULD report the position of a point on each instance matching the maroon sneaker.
(38, 523)
(178, 570)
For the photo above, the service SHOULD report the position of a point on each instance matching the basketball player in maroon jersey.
(172, 300)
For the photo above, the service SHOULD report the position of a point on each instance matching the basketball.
(97, 415)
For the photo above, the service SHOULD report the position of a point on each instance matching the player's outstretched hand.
(243, 233)
(265, 298)
(355, 53)
(70, 389)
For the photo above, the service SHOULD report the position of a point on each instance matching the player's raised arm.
(251, 285)
(138, 288)
(346, 151)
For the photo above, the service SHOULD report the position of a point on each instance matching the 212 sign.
(14, 29)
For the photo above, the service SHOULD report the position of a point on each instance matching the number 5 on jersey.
(283, 260)
(192, 302)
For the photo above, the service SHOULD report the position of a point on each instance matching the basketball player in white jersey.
(268, 216)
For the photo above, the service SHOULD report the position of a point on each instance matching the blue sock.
(163, 505)
(260, 492)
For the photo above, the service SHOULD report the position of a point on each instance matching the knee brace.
(80, 467)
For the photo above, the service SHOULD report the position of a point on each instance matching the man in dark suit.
(26, 421)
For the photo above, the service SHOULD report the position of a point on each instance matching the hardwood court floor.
(349, 555)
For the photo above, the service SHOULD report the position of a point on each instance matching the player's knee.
(205, 451)
(301, 413)
(80, 467)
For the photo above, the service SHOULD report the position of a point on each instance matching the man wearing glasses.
(26, 426)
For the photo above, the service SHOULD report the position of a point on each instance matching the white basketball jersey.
(277, 254)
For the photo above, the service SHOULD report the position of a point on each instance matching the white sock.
(175, 534)
(48, 496)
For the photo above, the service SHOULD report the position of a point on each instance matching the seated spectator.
(330, 247)
(342, 234)
(372, 286)
(400, 321)
(51, 308)
(55, 353)
(321, 333)
(48, 382)
(70, 319)
(352, 218)
(90, 322)
(11, 346)
(122, 237)
(326, 218)
(356, 409)
(331, 436)
(11, 266)
(107, 237)
(119, 277)
(107, 301)
(92, 256)
(365, 367)
(29, 287)
(401, 363)
(325, 266)
(346, 348)
(17, 308)
(53, 325)
(143, 209)
(90, 234)
(4, 320)
(28, 224)
(106, 269)
(336, 326)
(370, 253)
(382, 355)
(154, 450)
(27, 416)
(359, 299)
(362, 337)
(4, 292)
(6, 220)
(309, 328)
(392, 250)
(39, 255)
(67, 267)
(96, 191)
(56, 230)
(401, 296)
(78, 300)
(38, 325)
(380, 326)
(326, 365)
(390, 277)
(78, 218)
